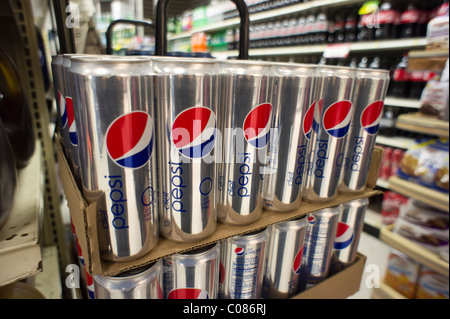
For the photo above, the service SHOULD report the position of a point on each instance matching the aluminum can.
(242, 265)
(333, 115)
(293, 112)
(319, 238)
(186, 99)
(115, 118)
(368, 101)
(350, 225)
(284, 259)
(58, 86)
(246, 112)
(141, 283)
(193, 274)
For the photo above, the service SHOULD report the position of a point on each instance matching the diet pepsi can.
(368, 100)
(193, 274)
(246, 112)
(242, 265)
(292, 117)
(319, 238)
(350, 225)
(331, 122)
(58, 86)
(141, 283)
(115, 118)
(186, 98)
(284, 259)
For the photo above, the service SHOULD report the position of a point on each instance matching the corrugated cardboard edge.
(85, 223)
(82, 215)
(339, 286)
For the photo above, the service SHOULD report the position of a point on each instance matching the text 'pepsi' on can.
(242, 265)
(142, 283)
(186, 99)
(368, 101)
(115, 118)
(193, 274)
(333, 113)
(245, 110)
(319, 239)
(284, 257)
(350, 225)
(288, 148)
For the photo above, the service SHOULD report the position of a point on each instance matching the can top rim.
(109, 59)
(174, 59)
(257, 235)
(296, 223)
(198, 253)
(359, 202)
(131, 274)
(294, 65)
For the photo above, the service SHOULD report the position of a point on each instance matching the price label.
(337, 50)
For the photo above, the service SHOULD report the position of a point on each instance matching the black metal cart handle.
(161, 28)
(109, 49)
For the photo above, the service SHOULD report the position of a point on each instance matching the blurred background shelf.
(417, 122)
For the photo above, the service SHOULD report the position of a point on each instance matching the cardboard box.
(84, 219)
(339, 286)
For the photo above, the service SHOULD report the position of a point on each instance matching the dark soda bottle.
(401, 79)
(321, 35)
(351, 25)
(409, 20)
(387, 18)
(339, 26)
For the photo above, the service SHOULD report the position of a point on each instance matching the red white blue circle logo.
(188, 293)
(308, 121)
(194, 132)
(298, 261)
(71, 121)
(129, 139)
(239, 251)
(62, 109)
(337, 119)
(257, 125)
(371, 117)
(311, 219)
(344, 236)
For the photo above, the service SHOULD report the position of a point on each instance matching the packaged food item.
(438, 29)
(435, 96)
(402, 273)
(431, 285)
(422, 214)
(390, 207)
(427, 163)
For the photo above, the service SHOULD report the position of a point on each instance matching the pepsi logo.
(308, 121)
(344, 236)
(239, 251)
(71, 121)
(90, 286)
(298, 261)
(337, 118)
(371, 117)
(188, 293)
(311, 219)
(62, 110)
(194, 132)
(257, 125)
(129, 139)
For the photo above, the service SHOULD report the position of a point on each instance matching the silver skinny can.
(368, 100)
(186, 99)
(243, 262)
(193, 274)
(284, 258)
(115, 122)
(245, 111)
(332, 119)
(142, 283)
(293, 110)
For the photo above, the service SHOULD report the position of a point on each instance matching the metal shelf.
(395, 141)
(417, 122)
(401, 102)
(20, 252)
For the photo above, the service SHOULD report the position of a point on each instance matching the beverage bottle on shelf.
(409, 21)
(401, 79)
(351, 25)
(310, 28)
(301, 30)
(376, 63)
(292, 31)
(331, 25)
(364, 62)
(418, 81)
(387, 19)
(366, 25)
(321, 34)
(339, 26)
(387, 122)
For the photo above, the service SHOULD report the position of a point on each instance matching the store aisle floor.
(377, 253)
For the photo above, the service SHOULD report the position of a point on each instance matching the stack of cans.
(170, 146)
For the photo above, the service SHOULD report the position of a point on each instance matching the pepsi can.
(246, 112)
(242, 265)
(284, 258)
(368, 100)
(319, 238)
(350, 225)
(292, 117)
(186, 98)
(115, 118)
(193, 274)
(141, 283)
(58, 86)
(333, 114)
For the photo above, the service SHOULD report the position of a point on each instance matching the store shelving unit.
(20, 252)
(417, 122)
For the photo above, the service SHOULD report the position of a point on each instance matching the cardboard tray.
(83, 217)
